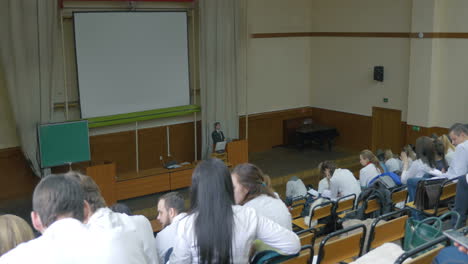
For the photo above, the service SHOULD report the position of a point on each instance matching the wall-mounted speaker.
(379, 73)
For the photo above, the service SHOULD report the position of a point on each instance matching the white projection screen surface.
(131, 61)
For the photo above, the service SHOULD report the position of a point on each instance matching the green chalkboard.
(61, 143)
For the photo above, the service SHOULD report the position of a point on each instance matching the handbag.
(427, 193)
(419, 232)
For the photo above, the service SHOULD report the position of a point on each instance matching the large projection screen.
(131, 61)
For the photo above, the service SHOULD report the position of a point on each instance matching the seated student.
(449, 148)
(342, 181)
(441, 162)
(295, 188)
(171, 209)
(371, 167)
(424, 164)
(381, 157)
(324, 183)
(13, 231)
(251, 190)
(391, 162)
(218, 231)
(58, 212)
(129, 238)
(410, 154)
(459, 169)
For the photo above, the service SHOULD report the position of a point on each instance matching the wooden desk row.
(135, 184)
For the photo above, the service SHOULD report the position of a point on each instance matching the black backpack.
(376, 191)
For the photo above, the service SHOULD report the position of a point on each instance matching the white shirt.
(247, 228)
(459, 165)
(449, 156)
(393, 165)
(129, 238)
(323, 185)
(66, 241)
(295, 189)
(416, 170)
(166, 238)
(271, 208)
(344, 183)
(368, 173)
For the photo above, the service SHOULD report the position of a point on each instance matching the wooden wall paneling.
(242, 127)
(238, 152)
(115, 147)
(266, 129)
(105, 177)
(412, 135)
(386, 129)
(181, 179)
(403, 135)
(199, 140)
(355, 130)
(264, 134)
(16, 177)
(152, 144)
(142, 186)
(182, 142)
(439, 131)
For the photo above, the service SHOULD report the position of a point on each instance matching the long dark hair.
(425, 151)
(211, 201)
(253, 179)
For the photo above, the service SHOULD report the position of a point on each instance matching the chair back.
(345, 203)
(306, 238)
(392, 230)
(304, 257)
(399, 196)
(449, 189)
(296, 210)
(321, 211)
(298, 200)
(343, 248)
(372, 206)
(426, 257)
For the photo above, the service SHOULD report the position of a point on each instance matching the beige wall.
(438, 82)
(278, 69)
(8, 136)
(342, 67)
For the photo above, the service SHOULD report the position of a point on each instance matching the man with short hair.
(58, 212)
(171, 209)
(129, 239)
(459, 168)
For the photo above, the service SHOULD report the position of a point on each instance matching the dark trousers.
(461, 200)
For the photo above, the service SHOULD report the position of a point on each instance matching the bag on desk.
(427, 193)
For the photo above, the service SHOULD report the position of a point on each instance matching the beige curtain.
(30, 54)
(221, 66)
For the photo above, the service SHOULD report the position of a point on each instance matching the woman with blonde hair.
(448, 147)
(391, 162)
(13, 231)
(371, 167)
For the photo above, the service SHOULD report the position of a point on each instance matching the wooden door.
(386, 129)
